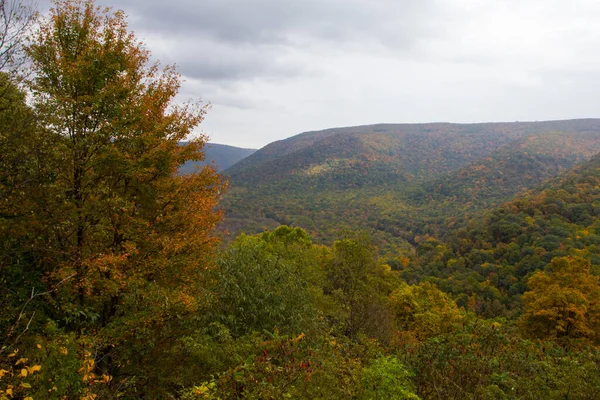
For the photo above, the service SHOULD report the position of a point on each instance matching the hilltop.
(398, 181)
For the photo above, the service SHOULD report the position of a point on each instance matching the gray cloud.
(277, 21)
(200, 58)
(273, 68)
(241, 39)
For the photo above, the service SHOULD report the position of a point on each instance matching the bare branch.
(16, 20)
(22, 314)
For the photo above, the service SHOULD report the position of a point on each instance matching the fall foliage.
(116, 240)
(114, 283)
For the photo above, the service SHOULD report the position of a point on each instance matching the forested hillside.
(398, 181)
(114, 282)
(489, 261)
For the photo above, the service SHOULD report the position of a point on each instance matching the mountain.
(221, 155)
(415, 150)
(398, 181)
(520, 165)
(488, 262)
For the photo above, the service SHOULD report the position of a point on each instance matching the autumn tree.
(424, 311)
(117, 237)
(564, 301)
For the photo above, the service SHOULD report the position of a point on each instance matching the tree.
(268, 282)
(25, 165)
(387, 378)
(125, 236)
(360, 286)
(424, 311)
(564, 301)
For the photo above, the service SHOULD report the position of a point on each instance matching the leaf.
(34, 368)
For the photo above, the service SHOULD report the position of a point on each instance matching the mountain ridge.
(398, 181)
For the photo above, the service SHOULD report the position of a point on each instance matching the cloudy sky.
(275, 68)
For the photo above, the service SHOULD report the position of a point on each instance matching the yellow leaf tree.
(564, 301)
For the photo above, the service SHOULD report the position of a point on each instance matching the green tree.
(359, 284)
(387, 378)
(267, 282)
(425, 311)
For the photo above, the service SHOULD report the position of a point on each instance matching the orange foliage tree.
(121, 239)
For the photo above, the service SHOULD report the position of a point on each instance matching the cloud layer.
(274, 68)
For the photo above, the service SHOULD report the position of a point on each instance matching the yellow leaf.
(3, 372)
(39, 346)
(21, 361)
(299, 338)
(14, 353)
(26, 385)
(29, 398)
(34, 368)
(9, 391)
(24, 372)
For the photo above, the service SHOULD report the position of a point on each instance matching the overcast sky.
(275, 68)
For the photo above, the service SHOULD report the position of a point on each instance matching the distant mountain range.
(221, 156)
(399, 181)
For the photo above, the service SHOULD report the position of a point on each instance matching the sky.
(274, 68)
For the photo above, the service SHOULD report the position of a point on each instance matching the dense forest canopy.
(399, 181)
(409, 284)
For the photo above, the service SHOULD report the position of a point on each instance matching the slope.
(486, 264)
(222, 156)
(389, 179)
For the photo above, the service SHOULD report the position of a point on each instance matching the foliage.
(266, 283)
(487, 360)
(360, 286)
(564, 302)
(105, 242)
(424, 311)
(15, 379)
(387, 378)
